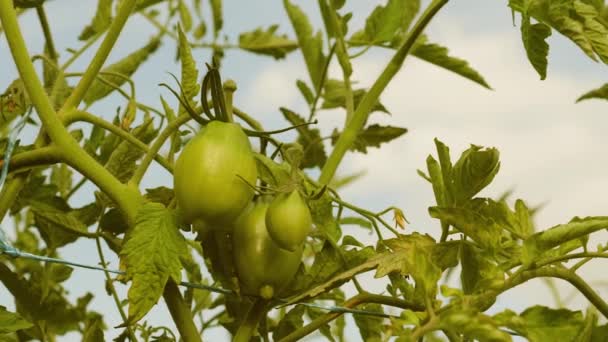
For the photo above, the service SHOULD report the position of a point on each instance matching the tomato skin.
(259, 262)
(206, 182)
(288, 220)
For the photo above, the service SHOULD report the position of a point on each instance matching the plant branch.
(126, 7)
(95, 120)
(38, 157)
(48, 37)
(180, 312)
(359, 118)
(361, 298)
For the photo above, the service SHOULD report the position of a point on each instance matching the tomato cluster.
(214, 178)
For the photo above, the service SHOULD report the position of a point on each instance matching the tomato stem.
(252, 318)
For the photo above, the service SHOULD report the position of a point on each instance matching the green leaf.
(322, 216)
(11, 322)
(306, 92)
(61, 176)
(334, 96)
(473, 325)
(438, 55)
(267, 42)
(481, 228)
(126, 67)
(310, 45)
(291, 321)
(342, 181)
(477, 270)
(94, 332)
(271, 172)
(218, 16)
(189, 72)
(123, 160)
(577, 228)
(369, 325)
(373, 136)
(57, 227)
(540, 323)
(534, 39)
(309, 138)
(151, 255)
(599, 93)
(412, 255)
(101, 21)
(184, 15)
(595, 31)
(357, 221)
(161, 194)
(385, 22)
(474, 170)
(114, 222)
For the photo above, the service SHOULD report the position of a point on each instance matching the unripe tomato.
(263, 267)
(288, 220)
(206, 175)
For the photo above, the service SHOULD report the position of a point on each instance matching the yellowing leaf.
(151, 255)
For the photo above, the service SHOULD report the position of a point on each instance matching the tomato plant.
(249, 235)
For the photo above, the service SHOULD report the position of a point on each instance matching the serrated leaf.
(438, 55)
(291, 321)
(12, 322)
(122, 161)
(126, 67)
(534, 38)
(56, 227)
(540, 323)
(387, 21)
(473, 171)
(151, 256)
(310, 44)
(368, 325)
(599, 93)
(373, 136)
(189, 74)
(309, 138)
(184, 15)
(101, 21)
(334, 96)
(595, 31)
(482, 229)
(267, 42)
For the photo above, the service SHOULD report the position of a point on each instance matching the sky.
(552, 150)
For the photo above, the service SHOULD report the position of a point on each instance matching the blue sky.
(552, 150)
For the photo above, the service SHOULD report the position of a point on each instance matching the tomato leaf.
(189, 74)
(93, 332)
(368, 324)
(101, 21)
(184, 15)
(291, 321)
(534, 38)
(267, 42)
(310, 44)
(386, 21)
(474, 170)
(126, 67)
(373, 136)
(309, 138)
(334, 96)
(218, 16)
(11, 322)
(151, 256)
(540, 323)
(599, 93)
(306, 91)
(57, 227)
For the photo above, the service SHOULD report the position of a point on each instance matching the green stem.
(110, 286)
(80, 51)
(47, 32)
(10, 191)
(247, 328)
(126, 7)
(359, 299)
(180, 312)
(95, 120)
(156, 146)
(359, 118)
(38, 157)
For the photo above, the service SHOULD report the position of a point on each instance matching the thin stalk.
(359, 118)
(180, 312)
(126, 7)
(41, 156)
(80, 51)
(46, 30)
(249, 325)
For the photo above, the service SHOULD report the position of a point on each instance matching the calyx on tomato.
(208, 172)
(288, 220)
(263, 268)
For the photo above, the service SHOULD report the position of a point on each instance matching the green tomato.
(263, 268)
(288, 220)
(207, 174)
